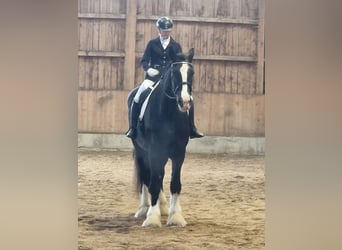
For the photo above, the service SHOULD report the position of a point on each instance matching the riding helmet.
(164, 23)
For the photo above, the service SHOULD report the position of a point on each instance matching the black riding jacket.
(155, 56)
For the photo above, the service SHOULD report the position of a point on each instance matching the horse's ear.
(191, 54)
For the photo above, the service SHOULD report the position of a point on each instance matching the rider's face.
(165, 34)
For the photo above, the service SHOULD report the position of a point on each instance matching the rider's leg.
(132, 132)
(194, 133)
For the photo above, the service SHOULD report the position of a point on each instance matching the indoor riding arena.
(223, 175)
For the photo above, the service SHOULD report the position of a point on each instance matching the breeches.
(144, 85)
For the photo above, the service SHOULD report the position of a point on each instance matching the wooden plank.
(217, 38)
(221, 75)
(89, 35)
(228, 82)
(101, 16)
(102, 35)
(129, 68)
(107, 73)
(88, 73)
(242, 42)
(101, 74)
(261, 49)
(226, 58)
(235, 44)
(117, 69)
(148, 7)
(141, 6)
(202, 76)
(234, 78)
(104, 6)
(95, 74)
(208, 20)
(140, 74)
(88, 53)
(96, 35)
(114, 74)
(82, 31)
(230, 40)
(82, 6)
(167, 6)
(241, 83)
(97, 6)
(195, 82)
(216, 78)
(222, 8)
(109, 37)
(209, 83)
(197, 39)
(81, 73)
(140, 41)
(234, 9)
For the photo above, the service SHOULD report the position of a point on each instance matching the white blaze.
(184, 73)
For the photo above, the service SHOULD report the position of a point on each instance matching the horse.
(163, 134)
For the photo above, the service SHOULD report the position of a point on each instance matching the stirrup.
(194, 133)
(131, 133)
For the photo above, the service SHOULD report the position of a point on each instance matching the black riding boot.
(132, 132)
(194, 133)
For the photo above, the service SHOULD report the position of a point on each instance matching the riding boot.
(194, 133)
(133, 121)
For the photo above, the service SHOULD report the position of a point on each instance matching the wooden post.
(261, 48)
(130, 40)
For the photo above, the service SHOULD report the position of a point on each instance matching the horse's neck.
(168, 98)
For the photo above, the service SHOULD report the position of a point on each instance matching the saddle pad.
(144, 105)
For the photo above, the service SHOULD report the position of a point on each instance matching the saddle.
(144, 98)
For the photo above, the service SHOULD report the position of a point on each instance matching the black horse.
(162, 134)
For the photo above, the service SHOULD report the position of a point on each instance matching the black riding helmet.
(164, 23)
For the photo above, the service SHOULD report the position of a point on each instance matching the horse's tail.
(137, 172)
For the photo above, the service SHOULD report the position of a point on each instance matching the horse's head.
(181, 77)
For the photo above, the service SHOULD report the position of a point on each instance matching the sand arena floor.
(223, 202)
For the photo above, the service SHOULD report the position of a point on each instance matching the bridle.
(175, 89)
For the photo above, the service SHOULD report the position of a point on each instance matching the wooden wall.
(228, 37)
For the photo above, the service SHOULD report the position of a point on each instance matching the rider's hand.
(152, 72)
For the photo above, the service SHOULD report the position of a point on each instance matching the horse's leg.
(157, 164)
(142, 178)
(144, 202)
(175, 212)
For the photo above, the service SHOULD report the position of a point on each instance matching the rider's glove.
(152, 72)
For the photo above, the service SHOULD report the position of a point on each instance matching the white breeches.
(144, 85)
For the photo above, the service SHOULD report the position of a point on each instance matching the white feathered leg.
(153, 216)
(144, 202)
(175, 212)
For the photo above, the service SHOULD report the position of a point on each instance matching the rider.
(158, 55)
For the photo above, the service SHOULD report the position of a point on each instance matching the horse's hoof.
(152, 221)
(141, 212)
(176, 220)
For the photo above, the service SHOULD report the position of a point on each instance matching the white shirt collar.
(165, 42)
